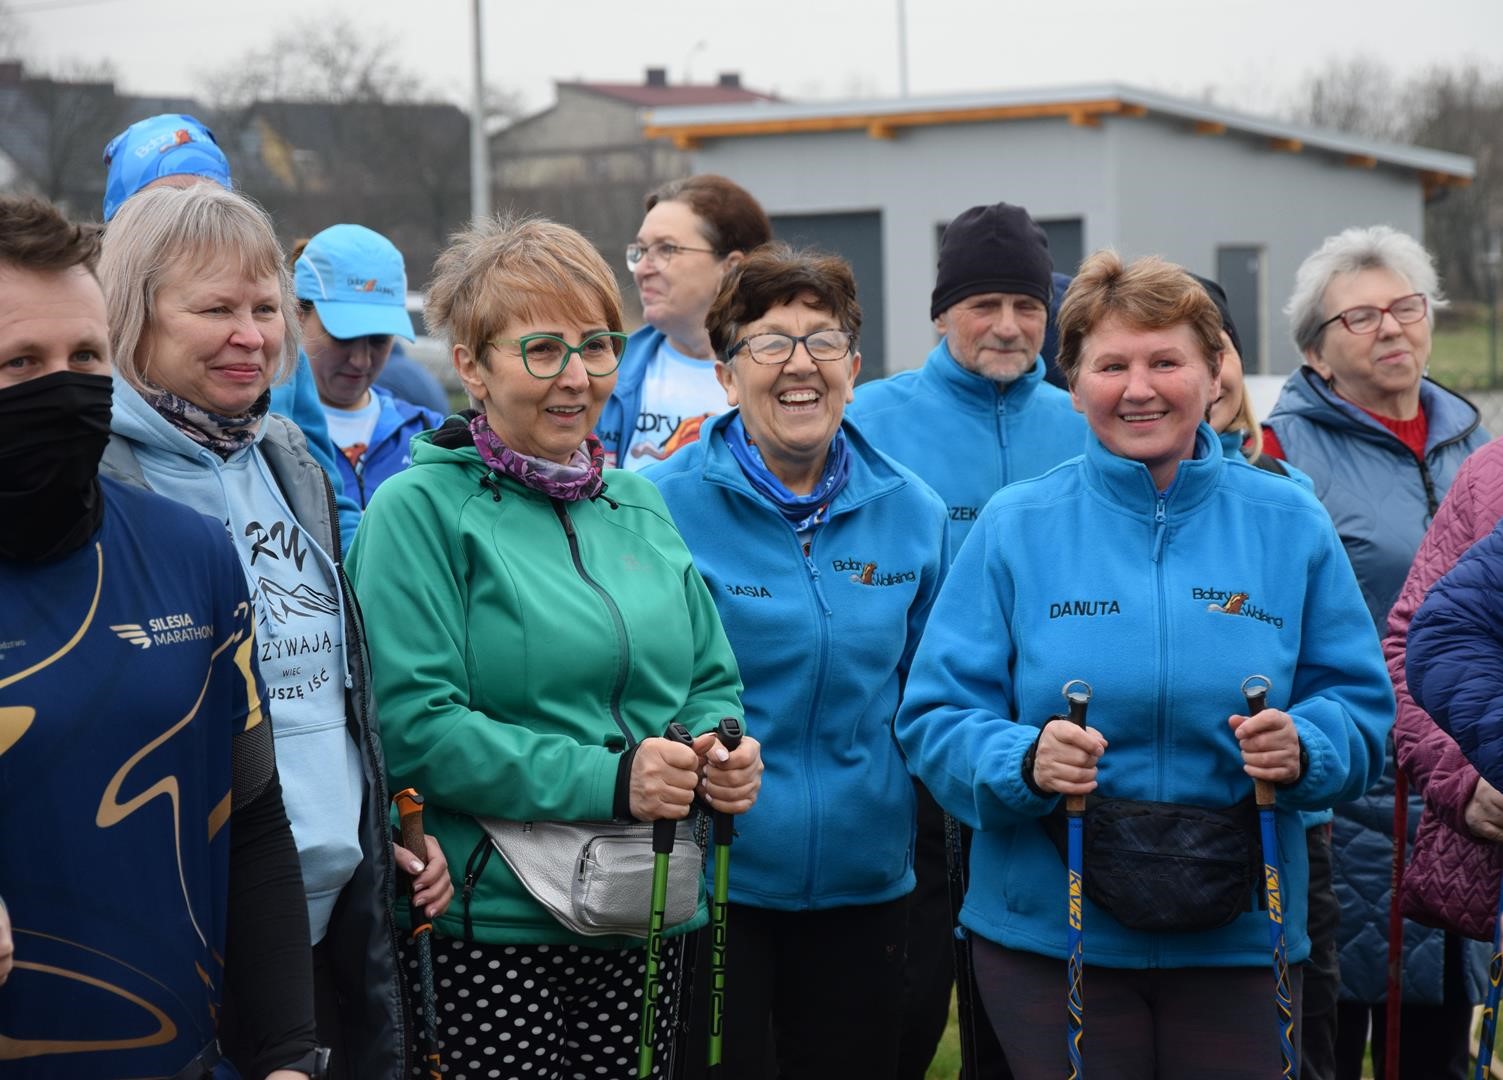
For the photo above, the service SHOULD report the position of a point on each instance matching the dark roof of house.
(654, 97)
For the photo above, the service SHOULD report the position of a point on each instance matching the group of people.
(251, 592)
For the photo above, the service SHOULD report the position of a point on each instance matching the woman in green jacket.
(532, 635)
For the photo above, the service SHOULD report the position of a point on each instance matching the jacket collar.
(945, 371)
(1306, 395)
(1128, 485)
(872, 474)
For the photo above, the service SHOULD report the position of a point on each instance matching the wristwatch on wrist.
(315, 1063)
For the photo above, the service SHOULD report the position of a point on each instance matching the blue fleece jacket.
(823, 641)
(618, 420)
(966, 435)
(387, 453)
(1164, 603)
(297, 399)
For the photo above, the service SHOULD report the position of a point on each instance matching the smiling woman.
(823, 557)
(1382, 444)
(1164, 621)
(201, 323)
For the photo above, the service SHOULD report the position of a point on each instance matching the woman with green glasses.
(535, 623)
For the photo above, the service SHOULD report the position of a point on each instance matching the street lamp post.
(480, 154)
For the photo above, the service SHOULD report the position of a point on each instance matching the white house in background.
(1239, 198)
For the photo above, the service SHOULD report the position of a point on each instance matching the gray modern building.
(1239, 198)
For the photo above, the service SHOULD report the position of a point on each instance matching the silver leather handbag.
(595, 877)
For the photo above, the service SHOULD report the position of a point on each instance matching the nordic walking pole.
(1255, 689)
(1393, 1005)
(1078, 693)
(410, 812)
(729, 735)
(662, 847)
(965, 1003)
(1490, 1008)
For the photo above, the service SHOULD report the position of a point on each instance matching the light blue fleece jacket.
(823, 641)
(966, 435)
(1164, 603)
(299, 637)
(1231, 447)
(389, 450)
(297, 399)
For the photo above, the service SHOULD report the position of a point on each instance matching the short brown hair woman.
(1163, 575)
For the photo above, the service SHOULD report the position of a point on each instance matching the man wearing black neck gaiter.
(145, 852)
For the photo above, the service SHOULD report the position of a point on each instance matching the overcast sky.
(1251, 52)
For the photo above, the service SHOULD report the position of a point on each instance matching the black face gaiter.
(53, 431)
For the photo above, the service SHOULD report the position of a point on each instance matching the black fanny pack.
(1166, 866)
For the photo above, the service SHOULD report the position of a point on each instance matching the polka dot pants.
(553, 1012)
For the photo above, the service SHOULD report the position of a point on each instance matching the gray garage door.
(857, 237)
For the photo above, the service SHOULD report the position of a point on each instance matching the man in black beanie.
(977, 416)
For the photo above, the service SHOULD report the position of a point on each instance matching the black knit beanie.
(1218, 297)
(991, 249)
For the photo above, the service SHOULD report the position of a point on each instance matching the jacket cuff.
(621, 804)
(1028, 762)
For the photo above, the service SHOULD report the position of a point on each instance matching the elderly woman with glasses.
(696, 229)
(535, 623)
(1382, 444)
(823, 556)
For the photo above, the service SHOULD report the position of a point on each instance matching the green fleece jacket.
(511, 658)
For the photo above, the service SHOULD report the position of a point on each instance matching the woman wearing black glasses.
(696, 229)
(1382, 444)
(532, 635)
(824, 557)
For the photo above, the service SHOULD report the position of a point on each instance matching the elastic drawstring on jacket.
(614, 505)
(488, 481)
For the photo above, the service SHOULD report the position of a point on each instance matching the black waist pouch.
(1166, 866)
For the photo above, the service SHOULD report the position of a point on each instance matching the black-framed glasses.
(661, 253)
(1367, 318)
(546, 355)
(822, 345)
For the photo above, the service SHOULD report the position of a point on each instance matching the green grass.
(946, 1063)
(1459, 355)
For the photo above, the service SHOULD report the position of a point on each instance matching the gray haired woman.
(1382, 444)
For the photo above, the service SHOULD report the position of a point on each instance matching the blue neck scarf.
(802, 512)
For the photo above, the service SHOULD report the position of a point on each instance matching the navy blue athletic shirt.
(125, 670)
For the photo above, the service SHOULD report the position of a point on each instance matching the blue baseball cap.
(172, 144)
(357, 282)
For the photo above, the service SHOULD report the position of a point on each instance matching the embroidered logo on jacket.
(1235, 603)
(864, 572)
(1065, 609)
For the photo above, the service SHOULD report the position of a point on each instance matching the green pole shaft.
(654, 959)
(717, 949)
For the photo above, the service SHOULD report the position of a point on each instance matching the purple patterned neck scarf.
(222, 434)
(579, 479)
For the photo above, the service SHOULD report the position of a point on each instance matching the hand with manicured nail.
(729, 780)
(432, 888)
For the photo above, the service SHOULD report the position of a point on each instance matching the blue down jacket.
(1455, 656)
(1381, 498)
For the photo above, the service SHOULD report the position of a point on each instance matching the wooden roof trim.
(884, 126)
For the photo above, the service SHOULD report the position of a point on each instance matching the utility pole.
(902, 48)
(480, 151)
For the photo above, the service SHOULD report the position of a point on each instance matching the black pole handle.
(729, 733)
(664, 828)
(1255, 690)
(1078, 694)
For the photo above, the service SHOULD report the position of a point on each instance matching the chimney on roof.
(730, 80)
(657, 76)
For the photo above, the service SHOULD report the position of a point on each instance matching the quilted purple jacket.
(1451, 879)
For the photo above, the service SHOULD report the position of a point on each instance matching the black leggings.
(1152, 1024)
(826, 986)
